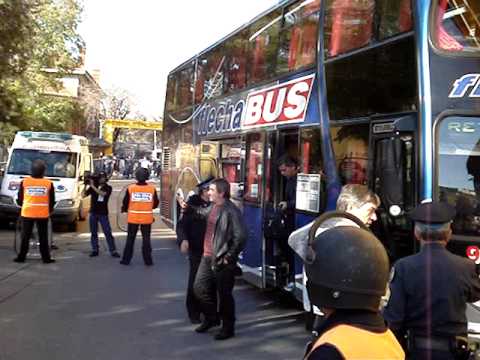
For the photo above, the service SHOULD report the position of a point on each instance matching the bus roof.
(236, 31)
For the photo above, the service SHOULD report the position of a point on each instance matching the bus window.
(348, 25)
(350, 144)
(236, 72)
(185, 87)
(262, 47)
(298, 38)
(459, 171)
(254, 168)
(231, 168)
(210, 75)
(311, 152)
(457, 25)
(395, 17)
(208, 162)
(171, 88)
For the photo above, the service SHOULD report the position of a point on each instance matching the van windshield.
(59, 164)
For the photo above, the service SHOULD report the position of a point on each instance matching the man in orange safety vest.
(139, 201)
(36, 196)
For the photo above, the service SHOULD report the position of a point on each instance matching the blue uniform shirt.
(429, 293)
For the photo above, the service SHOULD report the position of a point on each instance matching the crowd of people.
(418, 311)
(126, 166)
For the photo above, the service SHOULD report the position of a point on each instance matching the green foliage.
(36, 35)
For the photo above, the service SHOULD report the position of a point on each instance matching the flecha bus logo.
(280, 104)
(462, 85)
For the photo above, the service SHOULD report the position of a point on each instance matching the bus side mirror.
(390, 174)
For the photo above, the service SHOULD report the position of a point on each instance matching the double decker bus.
(376, 92)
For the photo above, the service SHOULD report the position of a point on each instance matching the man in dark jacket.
(224, 239)
(190, 234)
(430, 290)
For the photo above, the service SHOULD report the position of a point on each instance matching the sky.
(135, 43)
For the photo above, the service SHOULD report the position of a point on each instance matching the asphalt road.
(95, 308)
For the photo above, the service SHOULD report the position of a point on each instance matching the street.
(94, 308)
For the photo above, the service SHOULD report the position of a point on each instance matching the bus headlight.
(395, 210)
(65, 203)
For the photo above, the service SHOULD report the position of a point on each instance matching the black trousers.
(209, 284)
(132, 230)
(27, 229)
(192, 302)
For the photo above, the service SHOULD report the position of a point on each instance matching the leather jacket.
(230, 232)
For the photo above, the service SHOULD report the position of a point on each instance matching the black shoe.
(54, 247)
(19, 260)
(207, 325)
(93, 254)
(225, 334)
(115, 254)
(124, 263)
(48, 261)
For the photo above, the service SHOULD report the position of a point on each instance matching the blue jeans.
(107, 230)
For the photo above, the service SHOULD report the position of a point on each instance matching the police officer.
(36, 196)
(347, 276)
(429, 290)
(139, 201)
(190, 236)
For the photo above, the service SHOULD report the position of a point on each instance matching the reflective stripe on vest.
(140, 206)
(359, 344)
(36, 198)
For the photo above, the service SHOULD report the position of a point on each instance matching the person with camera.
(99, 191)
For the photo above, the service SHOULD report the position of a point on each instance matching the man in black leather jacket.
(225, 237)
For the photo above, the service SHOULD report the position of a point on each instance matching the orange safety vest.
(36, 198)
(140, 206)
(358, 344)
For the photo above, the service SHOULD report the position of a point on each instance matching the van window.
(58, 164)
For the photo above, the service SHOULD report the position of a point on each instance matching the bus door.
(252, 257)
(279, 259)
(392, 152)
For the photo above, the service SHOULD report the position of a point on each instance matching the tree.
(118, 104)
(34, 35)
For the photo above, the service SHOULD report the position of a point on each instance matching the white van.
(67, 160)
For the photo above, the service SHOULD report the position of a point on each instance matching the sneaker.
(19, 260)
(115, 254)
(207, 325)
(49, 261)
(93, 254)
(289, 287)
(225, 334)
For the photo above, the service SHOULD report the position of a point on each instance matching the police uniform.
(429, 292)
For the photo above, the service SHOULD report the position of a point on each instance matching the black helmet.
(142, 174)
(349, 271)
(38, 168)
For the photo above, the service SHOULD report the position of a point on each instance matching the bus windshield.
(459, 171)
(59, 164)
(457, 25)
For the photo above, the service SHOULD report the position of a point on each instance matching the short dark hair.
(223, 186)
(287, 160)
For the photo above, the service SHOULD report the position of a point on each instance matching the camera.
(91, 178)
